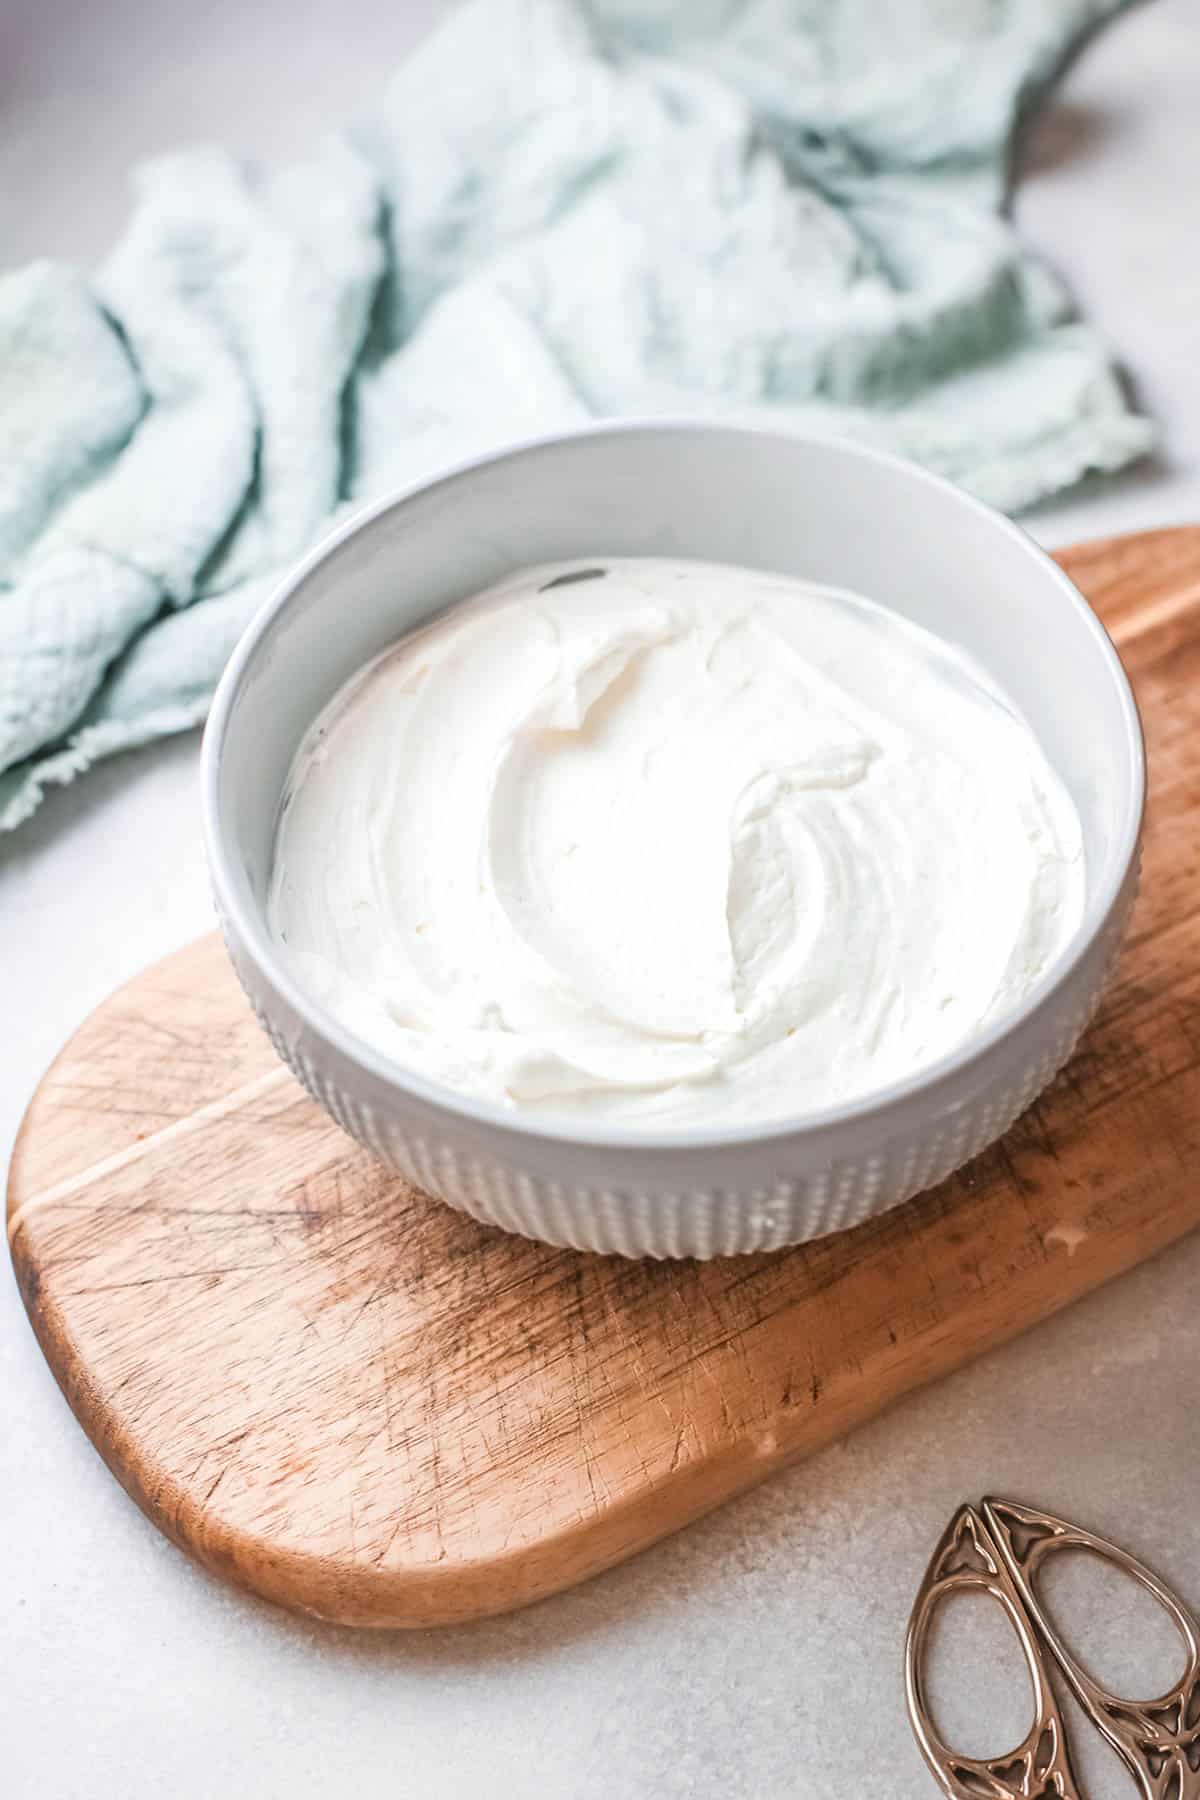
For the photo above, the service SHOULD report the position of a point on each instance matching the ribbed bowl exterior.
(803, 1184)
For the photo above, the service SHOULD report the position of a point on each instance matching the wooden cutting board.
(341, 1395)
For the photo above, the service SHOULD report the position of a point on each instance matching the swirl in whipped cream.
(669, 841)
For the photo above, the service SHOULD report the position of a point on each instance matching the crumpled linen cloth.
(770, 209)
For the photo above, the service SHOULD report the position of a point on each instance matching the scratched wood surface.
(337, 1393)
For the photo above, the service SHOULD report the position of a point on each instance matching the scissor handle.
(967, 1560)
(1158, 1740)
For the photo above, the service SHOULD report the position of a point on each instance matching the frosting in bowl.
(674, 842)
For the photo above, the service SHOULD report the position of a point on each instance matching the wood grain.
(341, 1395)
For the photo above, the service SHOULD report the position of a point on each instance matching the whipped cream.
(672, 842)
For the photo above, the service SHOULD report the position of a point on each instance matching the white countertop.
(758, 1653)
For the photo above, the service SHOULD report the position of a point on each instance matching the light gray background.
(758, 1654)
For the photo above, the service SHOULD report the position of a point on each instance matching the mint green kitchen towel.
(787, 210)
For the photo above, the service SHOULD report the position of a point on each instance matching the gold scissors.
(998, 1550)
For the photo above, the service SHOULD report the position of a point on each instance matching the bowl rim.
(953, 1066)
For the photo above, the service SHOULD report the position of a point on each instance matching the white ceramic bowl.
(829, 512)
